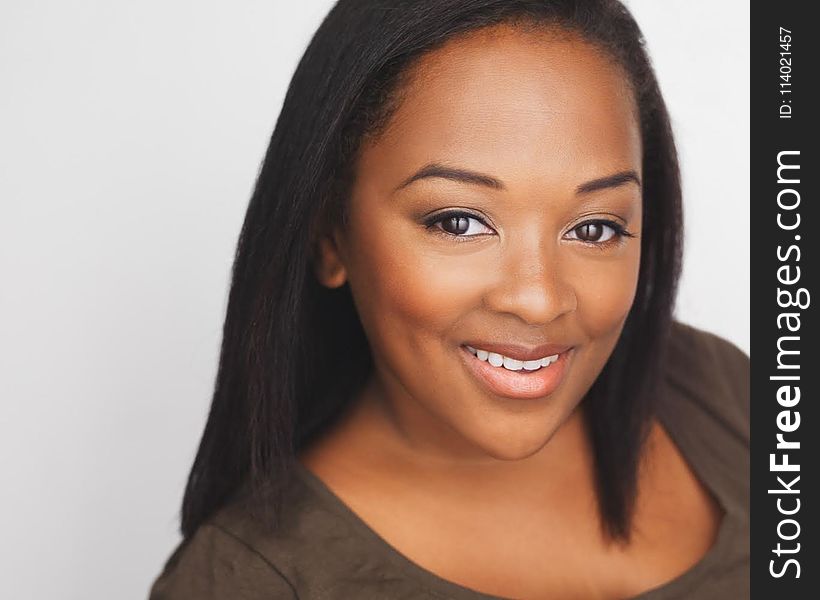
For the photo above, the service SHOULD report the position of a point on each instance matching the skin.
(426, 455)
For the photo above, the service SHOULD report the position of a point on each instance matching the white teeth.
(499, 360)
(512, 364)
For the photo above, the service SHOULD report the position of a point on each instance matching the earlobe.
(327, 262)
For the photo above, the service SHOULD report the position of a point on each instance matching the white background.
(130, 137)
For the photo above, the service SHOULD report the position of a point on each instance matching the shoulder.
(704, 404)
(317, 551)
(215, 564)
(700, 352)
(712, 374)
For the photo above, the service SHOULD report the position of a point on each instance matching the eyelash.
(620, 231)
(434, 220)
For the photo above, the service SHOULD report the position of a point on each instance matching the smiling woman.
(449, 365)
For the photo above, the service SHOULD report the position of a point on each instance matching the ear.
(327, 261)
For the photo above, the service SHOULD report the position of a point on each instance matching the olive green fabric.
(324, 551)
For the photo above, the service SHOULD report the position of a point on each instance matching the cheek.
(408, 290)
(606, 292)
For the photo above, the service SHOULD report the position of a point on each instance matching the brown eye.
(458, 224)
(596, 231)
(455, 225)
(590, 232)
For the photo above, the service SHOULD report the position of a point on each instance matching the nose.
(532, 283)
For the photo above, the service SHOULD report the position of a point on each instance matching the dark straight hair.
(282, 327)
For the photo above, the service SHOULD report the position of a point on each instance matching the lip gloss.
(517, 384)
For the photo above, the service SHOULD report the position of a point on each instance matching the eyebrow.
(461, 175)
(610, 181)
(437, 170)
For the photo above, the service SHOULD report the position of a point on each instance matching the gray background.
(130, 137)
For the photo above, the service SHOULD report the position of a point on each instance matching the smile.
(512, 364)
(508, 377)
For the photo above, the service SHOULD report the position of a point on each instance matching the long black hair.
(282, 327)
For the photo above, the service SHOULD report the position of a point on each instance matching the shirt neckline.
(444, 588)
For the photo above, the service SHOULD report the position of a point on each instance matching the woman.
(449, 366)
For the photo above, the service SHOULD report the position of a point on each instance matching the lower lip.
(518, 384)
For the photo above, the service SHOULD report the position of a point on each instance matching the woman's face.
(494, 213)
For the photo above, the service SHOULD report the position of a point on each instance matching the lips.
(518, 384)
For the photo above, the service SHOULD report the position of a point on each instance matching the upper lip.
(518, 352)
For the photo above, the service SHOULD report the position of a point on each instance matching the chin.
(513, 453)
(518, 446)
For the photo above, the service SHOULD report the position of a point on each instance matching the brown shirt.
(325, 551)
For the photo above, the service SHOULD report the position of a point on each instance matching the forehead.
(502, 98)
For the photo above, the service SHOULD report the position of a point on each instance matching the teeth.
(511, 364)
(495, 360)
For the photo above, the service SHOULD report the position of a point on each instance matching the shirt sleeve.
(215, 565)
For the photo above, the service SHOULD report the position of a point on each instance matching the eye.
(598, 232)
(458, 224)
